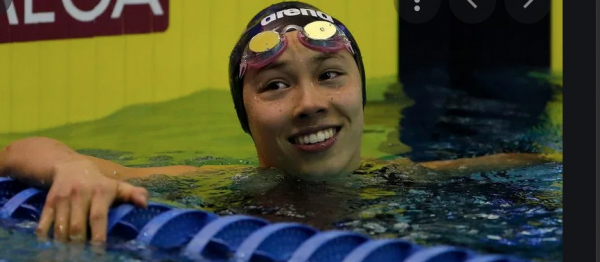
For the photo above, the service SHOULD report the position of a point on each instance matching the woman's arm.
(502, 161)
(34, 159)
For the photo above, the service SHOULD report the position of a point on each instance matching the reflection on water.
(504, 110)
(515, 211)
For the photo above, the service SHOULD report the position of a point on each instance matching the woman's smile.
(316, 139)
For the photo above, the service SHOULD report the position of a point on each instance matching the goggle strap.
(243, 67)
(349, 47)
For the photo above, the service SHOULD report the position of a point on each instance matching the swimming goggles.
(267, 46)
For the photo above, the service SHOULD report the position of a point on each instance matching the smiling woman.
(293, 105)
(298, 85)
(299, 89)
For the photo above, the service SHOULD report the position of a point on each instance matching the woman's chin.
(318, 173)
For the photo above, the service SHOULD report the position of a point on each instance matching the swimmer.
(298, 85)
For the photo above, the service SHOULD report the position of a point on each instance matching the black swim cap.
(272, 21)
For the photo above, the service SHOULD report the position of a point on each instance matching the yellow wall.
(557, 36)
(51, 83)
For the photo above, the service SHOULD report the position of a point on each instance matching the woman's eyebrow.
(273, 66)
(321, 57)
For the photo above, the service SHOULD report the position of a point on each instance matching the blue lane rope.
(204, 236)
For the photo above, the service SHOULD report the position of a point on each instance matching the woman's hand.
(82, 188)
(79, 194)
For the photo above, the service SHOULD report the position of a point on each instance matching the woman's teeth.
(316, 137)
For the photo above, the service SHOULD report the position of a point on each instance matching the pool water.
(510, 211)
(516, 211)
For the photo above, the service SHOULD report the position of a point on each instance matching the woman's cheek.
(272, 116)
(351, 97)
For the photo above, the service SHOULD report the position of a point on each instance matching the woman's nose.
(310, 102)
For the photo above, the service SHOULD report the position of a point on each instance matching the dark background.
(471, 84)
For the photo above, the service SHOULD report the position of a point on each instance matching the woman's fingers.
(63, 216)
(72, 205)
(80, 208)
(48, 213)
(140, 197)
(102, 198)
(46, 220)
(129, 193)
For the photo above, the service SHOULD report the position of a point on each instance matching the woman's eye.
(275, 86)
(328, 75)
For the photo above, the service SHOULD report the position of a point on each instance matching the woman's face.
(305, 112)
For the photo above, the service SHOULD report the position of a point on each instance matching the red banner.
(33, 20)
